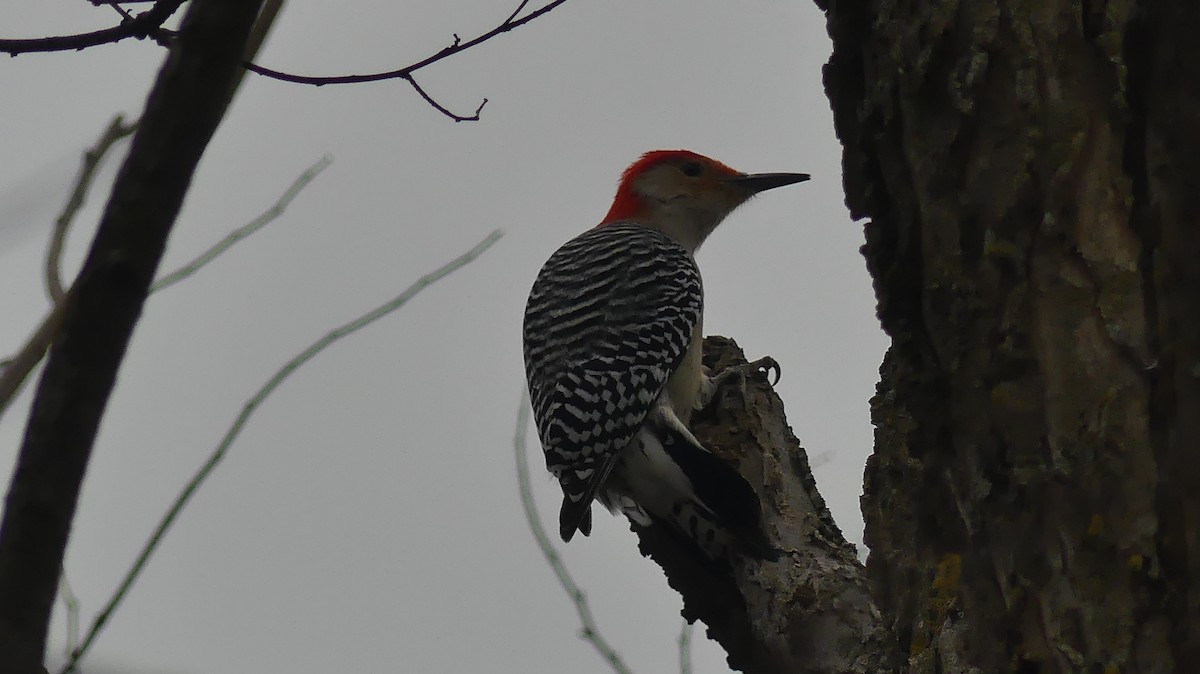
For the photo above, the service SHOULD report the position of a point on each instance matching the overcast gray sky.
(367, 519)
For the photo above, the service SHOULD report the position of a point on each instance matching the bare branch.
(406, 72)
(512, 16)
(18, 367)
(590, 631)
(117, 8)
(116, 130)
(71, 608)
(685, 648)
(218, 454)
(144, 25)
(442, 109)
(183, 109)
(262, 27)
(246, 230)
(258, 34)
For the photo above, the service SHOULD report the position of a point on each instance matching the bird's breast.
(683, 387)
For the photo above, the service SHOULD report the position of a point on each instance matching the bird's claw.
(769, 366)
(766, 365)
(710, 394)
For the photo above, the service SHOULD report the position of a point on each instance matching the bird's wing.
(608, 321)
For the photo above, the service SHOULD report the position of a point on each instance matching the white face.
(687, 200)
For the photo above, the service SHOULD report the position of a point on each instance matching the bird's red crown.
(628, 204)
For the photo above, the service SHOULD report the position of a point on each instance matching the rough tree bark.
(1031, 171)
(808, 612)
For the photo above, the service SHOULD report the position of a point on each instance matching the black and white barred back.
(608, 321)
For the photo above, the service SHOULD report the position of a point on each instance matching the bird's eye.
(692, 169)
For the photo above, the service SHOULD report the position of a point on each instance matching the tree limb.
(809, 612)
(187, 102)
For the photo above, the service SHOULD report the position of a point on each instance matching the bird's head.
(686, 194)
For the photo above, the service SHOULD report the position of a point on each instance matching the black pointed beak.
(761, 182)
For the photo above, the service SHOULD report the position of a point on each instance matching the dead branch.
(810, 611)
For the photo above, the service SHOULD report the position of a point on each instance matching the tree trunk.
(1031, 171)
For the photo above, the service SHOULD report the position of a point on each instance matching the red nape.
(627, 204)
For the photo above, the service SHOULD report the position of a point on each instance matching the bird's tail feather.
(723, 497)
(576, 511)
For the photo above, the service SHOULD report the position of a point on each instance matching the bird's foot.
(710, 391)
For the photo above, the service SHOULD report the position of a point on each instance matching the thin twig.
(162, 36)
(218, 454)
(146, 24)
(589, 631)
(71, 608)
(22, 363)
(116, 130)
(262, 27)
(246, 230)
(510, 16)
(441, 108)
(18, 367)
(685, 648)
(407, 71)
(118, 8)
(258, 34)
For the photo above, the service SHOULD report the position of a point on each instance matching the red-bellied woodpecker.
(612, 357)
